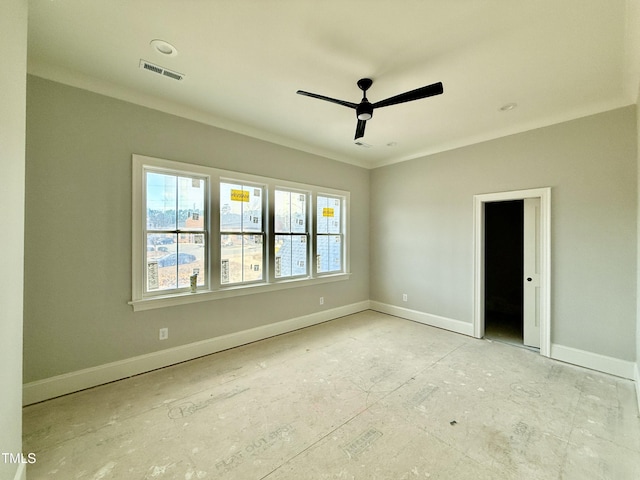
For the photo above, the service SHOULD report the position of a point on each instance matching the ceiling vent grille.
(160, 70)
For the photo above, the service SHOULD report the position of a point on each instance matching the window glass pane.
(290, 250)
(322, 214)
(282, 211)
(329, 240)
(283, 256)
(335, 253)
(333, 215)
(290, 212)
(161, 201)
(328, 214)
(169, 265)
(240, 208)
(252, 209)
(159, 245)
(291, 255)
(191, 196)
(329, 251)
(191, 258)
(299, 255)
(241, 258)
(241, 211)
(231, 259)
(322, 247)
(252, 251)
(231, 197)
(298, 212)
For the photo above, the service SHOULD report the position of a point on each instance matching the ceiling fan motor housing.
(364, 111)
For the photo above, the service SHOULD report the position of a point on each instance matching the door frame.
(544, 194)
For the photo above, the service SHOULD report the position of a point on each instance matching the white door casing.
(543, 241)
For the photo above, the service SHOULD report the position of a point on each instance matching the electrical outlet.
(404, 297)
(164, 333)
(321, 300)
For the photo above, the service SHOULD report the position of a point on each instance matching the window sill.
(162, 301)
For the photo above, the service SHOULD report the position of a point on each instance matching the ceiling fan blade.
(328, 99)
(360, 129)
(418, 93)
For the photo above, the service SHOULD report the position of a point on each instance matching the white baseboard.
(594, 361)
(426, 318)
(52, 387)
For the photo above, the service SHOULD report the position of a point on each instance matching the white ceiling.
(244, 60)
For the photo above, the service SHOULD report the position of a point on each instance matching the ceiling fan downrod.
(364, 111)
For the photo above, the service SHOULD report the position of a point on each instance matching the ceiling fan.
(364, 109)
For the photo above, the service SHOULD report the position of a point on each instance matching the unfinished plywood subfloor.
(368, 396)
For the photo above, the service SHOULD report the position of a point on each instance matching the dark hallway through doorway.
(504, 260)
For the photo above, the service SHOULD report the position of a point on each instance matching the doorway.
(504, 271)
(526, 313)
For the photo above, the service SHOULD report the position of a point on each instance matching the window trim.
(216, 290)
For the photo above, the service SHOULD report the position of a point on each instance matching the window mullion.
(270, 227)
(267, 232)
(215, 238)
(314, 234)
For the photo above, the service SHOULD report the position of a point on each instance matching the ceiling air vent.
(160, 70)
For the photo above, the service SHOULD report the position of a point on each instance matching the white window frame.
(308, 231)
(263, 232)
(341, 234)
(177, 231)
(215, 290)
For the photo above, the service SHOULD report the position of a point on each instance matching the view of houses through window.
(329, 234)
(291, 235)
(176, 235)
(241, 233)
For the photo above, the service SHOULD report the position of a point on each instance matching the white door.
(531, 280)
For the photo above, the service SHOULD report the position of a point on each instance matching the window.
(329, 242)
(175, 232)
(241, 233)
(233, 233)
(291, 235)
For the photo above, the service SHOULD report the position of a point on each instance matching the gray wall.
(78, 229)
(422, 226)
(13, 25)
